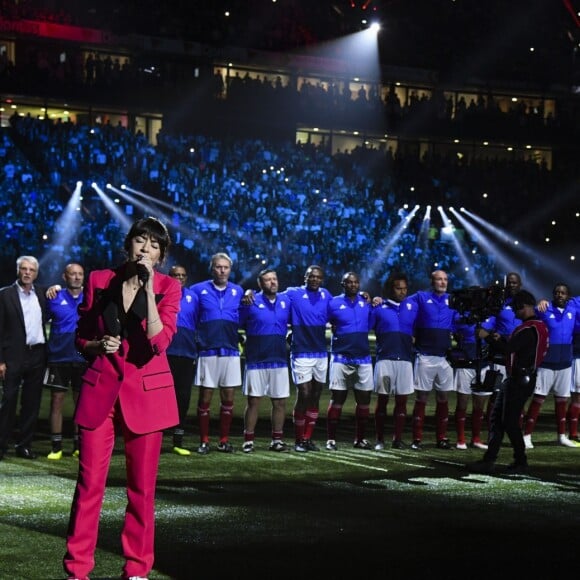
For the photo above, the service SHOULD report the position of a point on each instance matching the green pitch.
(348, 514)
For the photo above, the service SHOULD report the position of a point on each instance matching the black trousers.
(505, 417)
(24, 377)
(183, 371)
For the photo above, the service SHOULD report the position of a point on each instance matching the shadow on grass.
(353, 514)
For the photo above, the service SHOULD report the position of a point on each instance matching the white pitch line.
(415, 465)
(335, 459)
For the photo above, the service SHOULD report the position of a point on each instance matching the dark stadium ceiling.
(504, 37)
(530, 39)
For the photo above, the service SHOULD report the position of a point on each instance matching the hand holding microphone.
(144, 269)
(142, 274)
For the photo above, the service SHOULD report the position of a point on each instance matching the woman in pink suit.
(126, 322)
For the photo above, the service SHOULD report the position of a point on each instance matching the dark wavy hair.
(523, 298)
(152, 228)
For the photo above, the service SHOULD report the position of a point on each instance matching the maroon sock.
(203, 420)
(361, 414)
(418, 420)
(442, 419)
(311, 418)
(381, 416)
(332, 419)
(226, 416)
(299, 422)
(400, 416)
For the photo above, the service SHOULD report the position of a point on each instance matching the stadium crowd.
(279, 204)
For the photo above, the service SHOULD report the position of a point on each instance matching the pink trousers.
(137, 536)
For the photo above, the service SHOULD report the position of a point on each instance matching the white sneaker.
(331, 445)
(479, 444)
(528, 442)
(563, 440)
(379, 446)
(461, 445)
(248, 447)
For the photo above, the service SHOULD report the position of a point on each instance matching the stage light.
(64, 234)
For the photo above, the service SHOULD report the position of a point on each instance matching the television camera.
(475, 304)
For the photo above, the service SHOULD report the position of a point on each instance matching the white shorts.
(212, 372)
(558, 382)
(274, 383)
(575, 384)
(359, 377)
(306, 369)
(464, 379)
(393, 377)
(433, 372)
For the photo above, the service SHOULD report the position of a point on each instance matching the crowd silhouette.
(285, 205)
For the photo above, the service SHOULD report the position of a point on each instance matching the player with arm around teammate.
(218, 363)
(432, 331)
(265, 321)
(308, 353)
(392, 323)
(350, 364)
(65, 364)
(555, 372)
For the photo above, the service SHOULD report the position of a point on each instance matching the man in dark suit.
(22, 355)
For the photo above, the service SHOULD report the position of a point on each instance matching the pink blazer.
(138, 373)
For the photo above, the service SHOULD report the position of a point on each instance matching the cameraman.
(524, 350)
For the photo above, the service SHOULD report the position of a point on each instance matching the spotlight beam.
(529, 257)
(466, 263)
(393, 237)
(67, 226)
(112, 208)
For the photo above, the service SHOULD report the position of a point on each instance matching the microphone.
(142, 273)
(111, 319)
